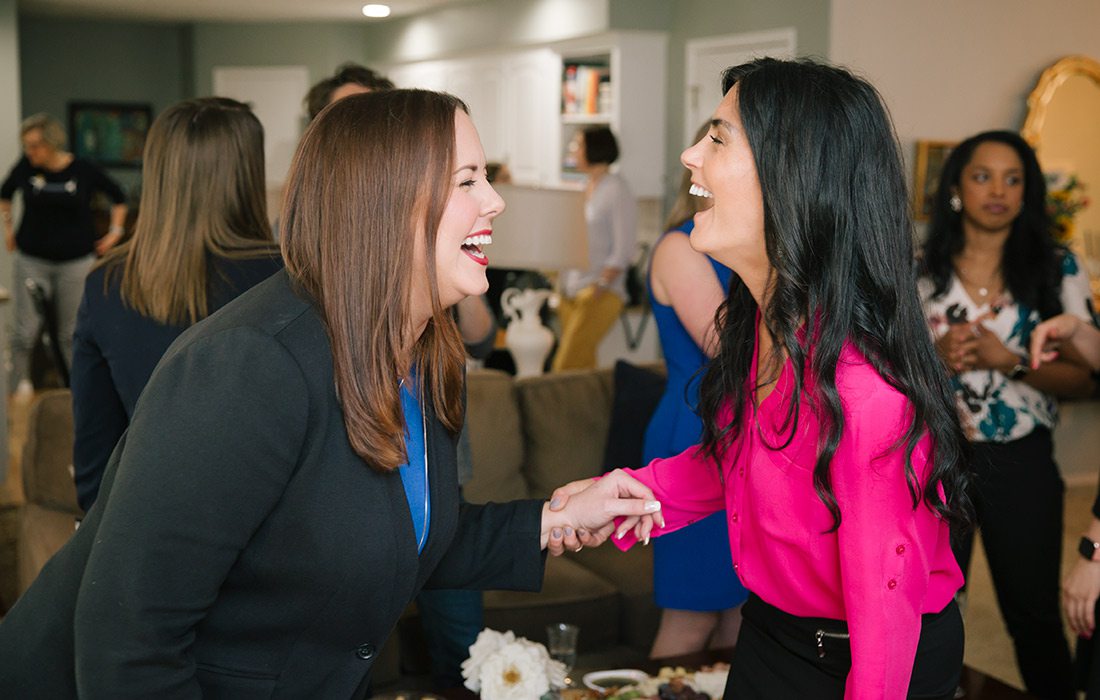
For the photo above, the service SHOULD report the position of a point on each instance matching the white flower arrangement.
(506, 667)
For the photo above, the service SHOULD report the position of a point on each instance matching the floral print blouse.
(1001, 409)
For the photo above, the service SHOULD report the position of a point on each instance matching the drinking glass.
(562, 638)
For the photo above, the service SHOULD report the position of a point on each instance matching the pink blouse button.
(741, 471)
(900, 549)
(891, 584)
(733, 517)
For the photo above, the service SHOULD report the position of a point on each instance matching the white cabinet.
(513, 102)
(516, 100)
(621, 84)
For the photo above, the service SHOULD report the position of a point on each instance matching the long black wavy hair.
(1031, 263)
(838, 236)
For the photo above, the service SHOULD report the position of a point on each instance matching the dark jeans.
(777, 656)
(451, 620)
(1019, 499)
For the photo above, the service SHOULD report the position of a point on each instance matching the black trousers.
(1019, 498)
(778, 658)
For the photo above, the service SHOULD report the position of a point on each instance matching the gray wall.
(63, 60)
(319, 46)
(697, 19)
(483, 26)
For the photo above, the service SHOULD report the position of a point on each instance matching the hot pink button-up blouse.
(885, 566)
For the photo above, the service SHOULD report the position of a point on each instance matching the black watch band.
(1019, 370)
(1088, 548)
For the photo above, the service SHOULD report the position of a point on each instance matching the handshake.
(585, 513)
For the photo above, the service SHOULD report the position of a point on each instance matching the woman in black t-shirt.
(56, 242)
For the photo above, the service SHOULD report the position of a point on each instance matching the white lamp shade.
(542, 228)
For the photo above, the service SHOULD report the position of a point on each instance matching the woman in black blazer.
(263, 522)
(201, 238)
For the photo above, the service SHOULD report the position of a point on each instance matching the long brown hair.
(687, 205)
(202, 192)
(371, 175)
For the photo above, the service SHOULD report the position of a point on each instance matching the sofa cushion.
(570, 593)
(42, 531)
(496, 439)
(565, 420)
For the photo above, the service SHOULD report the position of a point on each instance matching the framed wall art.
(111, 134)
(926, 175)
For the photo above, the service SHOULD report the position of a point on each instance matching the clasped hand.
(583, 513)
(970, 345)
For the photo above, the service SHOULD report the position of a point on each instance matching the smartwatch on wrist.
(1019, 370)
(1087, 548)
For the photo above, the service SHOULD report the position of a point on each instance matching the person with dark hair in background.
(693, 579)
(592, 299)
(349, 79)
(201, 239)
(287, 483)
(57, 242)
(990, 273)
(830, 434)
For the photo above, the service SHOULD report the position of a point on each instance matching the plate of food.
(604, 681)
(706, 683)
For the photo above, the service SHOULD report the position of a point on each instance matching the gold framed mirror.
(1063, 126)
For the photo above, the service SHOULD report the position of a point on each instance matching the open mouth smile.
(473, 243)
(700, 191)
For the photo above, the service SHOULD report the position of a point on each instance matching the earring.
(956, 203)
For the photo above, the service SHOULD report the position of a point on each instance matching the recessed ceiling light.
(376, 10)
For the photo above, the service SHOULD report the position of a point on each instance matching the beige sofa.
(529, 436)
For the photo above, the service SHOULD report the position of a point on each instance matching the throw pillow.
(637, 393)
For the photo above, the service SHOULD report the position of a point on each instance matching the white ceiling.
(225, 10)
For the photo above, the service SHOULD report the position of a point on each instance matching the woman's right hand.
(958, 347)
(1079, 594)
(1048, 335)
(591, 505)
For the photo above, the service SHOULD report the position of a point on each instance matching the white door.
(275, 95)
(707, 58)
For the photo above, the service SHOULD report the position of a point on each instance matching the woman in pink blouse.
(830, 434)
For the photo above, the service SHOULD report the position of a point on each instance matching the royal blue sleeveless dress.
(692, 567)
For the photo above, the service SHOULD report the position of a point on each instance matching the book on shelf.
(586, 89)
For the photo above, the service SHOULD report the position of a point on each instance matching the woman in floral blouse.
(991, 273)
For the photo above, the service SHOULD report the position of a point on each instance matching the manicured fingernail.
(581, 533)
(555, 503)
(556, 533)
(652, 506)
(621, 534)
(647, 540)
(568, 532)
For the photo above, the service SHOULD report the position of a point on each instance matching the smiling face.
(723, 170)
(991, 187)
(466, 225)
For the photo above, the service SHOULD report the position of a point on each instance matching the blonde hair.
(202, 193)
(371, 175)
(687, 205)
(52, 131)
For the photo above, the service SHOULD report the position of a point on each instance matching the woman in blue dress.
(693, 578)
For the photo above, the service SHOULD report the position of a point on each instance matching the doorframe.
(778, 43)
